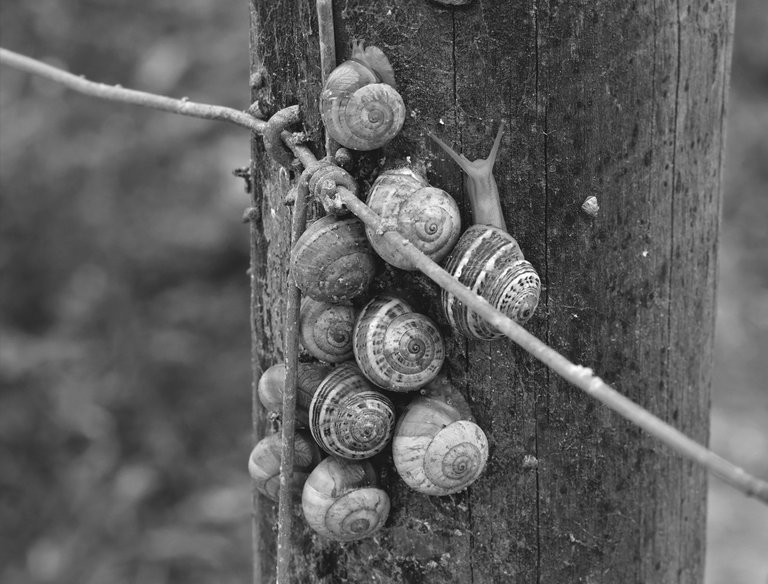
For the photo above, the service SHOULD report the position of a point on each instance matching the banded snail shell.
(341, 500)
(264, 464)
(332, 261)
(489, 261)
(428, 217)
(272, 384)
(359, 105)
(396, 348)
(326, 330)
(348, 417)
(435, 451)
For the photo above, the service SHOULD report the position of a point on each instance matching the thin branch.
(120, 94)
(327, 36)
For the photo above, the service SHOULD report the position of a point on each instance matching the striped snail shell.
(350, 418)
(396, 348)
(437, 450)
(272, 384)
(341, 500)
(428, 217)
(487, 259)
(264, 463)
(332, 261)
(325, 330)
(360, 107)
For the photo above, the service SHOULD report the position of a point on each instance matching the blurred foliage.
(124, 341)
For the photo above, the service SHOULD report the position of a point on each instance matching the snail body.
(272, 385)
(437, 449)
(396, 348)
(487, 259)
(264, 463)
(359, 105)
(333, 261)
(428, 217)
(326, 329)
(341, 500)
(350, 418)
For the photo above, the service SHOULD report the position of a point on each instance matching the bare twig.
(327, 55)
(132, 96)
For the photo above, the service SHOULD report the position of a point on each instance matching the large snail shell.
(489, 261)
(348, 417)
(396, 348)
(272, 384)
(326, 330)
(428, 217)
(359, 105)
(341, 500)
(332, 261)
(434, 450)
(264, 463)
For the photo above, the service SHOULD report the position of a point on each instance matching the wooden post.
(623, 101)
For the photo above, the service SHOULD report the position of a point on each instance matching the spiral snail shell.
(348, 417)
(272, 385)
(428, 217)
(396, 348)
(487, 259)
(326, 329)
(264, 463)
(332, 261)
(436, 449)
(359, 105)
(341, 500)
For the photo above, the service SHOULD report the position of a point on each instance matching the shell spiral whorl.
(428, 217)
(396, 348)
(341, 500)
(326, 330)
(489, 261)
(350, 418)
(264, 463)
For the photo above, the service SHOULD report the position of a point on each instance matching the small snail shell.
(435, 450)
(348, 417)
(341, 500)
(326, 330)
(264, 463)
(487, 259)
(590, 206)
(396, 348)
(332, 261)
(360, 107)
(272, 384)
(428, 217)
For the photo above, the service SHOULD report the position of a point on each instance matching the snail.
(272, 384)
(326, 330)
(348, 417)
(264, 463)
(437, 449)
(332, 261)
(428, 217)
(396, 348)
(487, 259)
(341, 500)
(359, 105)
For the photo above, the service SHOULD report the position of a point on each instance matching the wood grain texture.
(623, 101)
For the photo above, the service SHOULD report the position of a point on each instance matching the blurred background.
(124, 339)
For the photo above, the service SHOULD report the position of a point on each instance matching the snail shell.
(264, 463)
(341, 500)
(348, 417)
(396, 348)
(360, 107)
(332, 261)
(326, 330)
(428, 217)
(489, 262)
(272, 384)
(435, 450)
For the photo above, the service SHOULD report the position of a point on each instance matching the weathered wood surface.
(621, 100)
